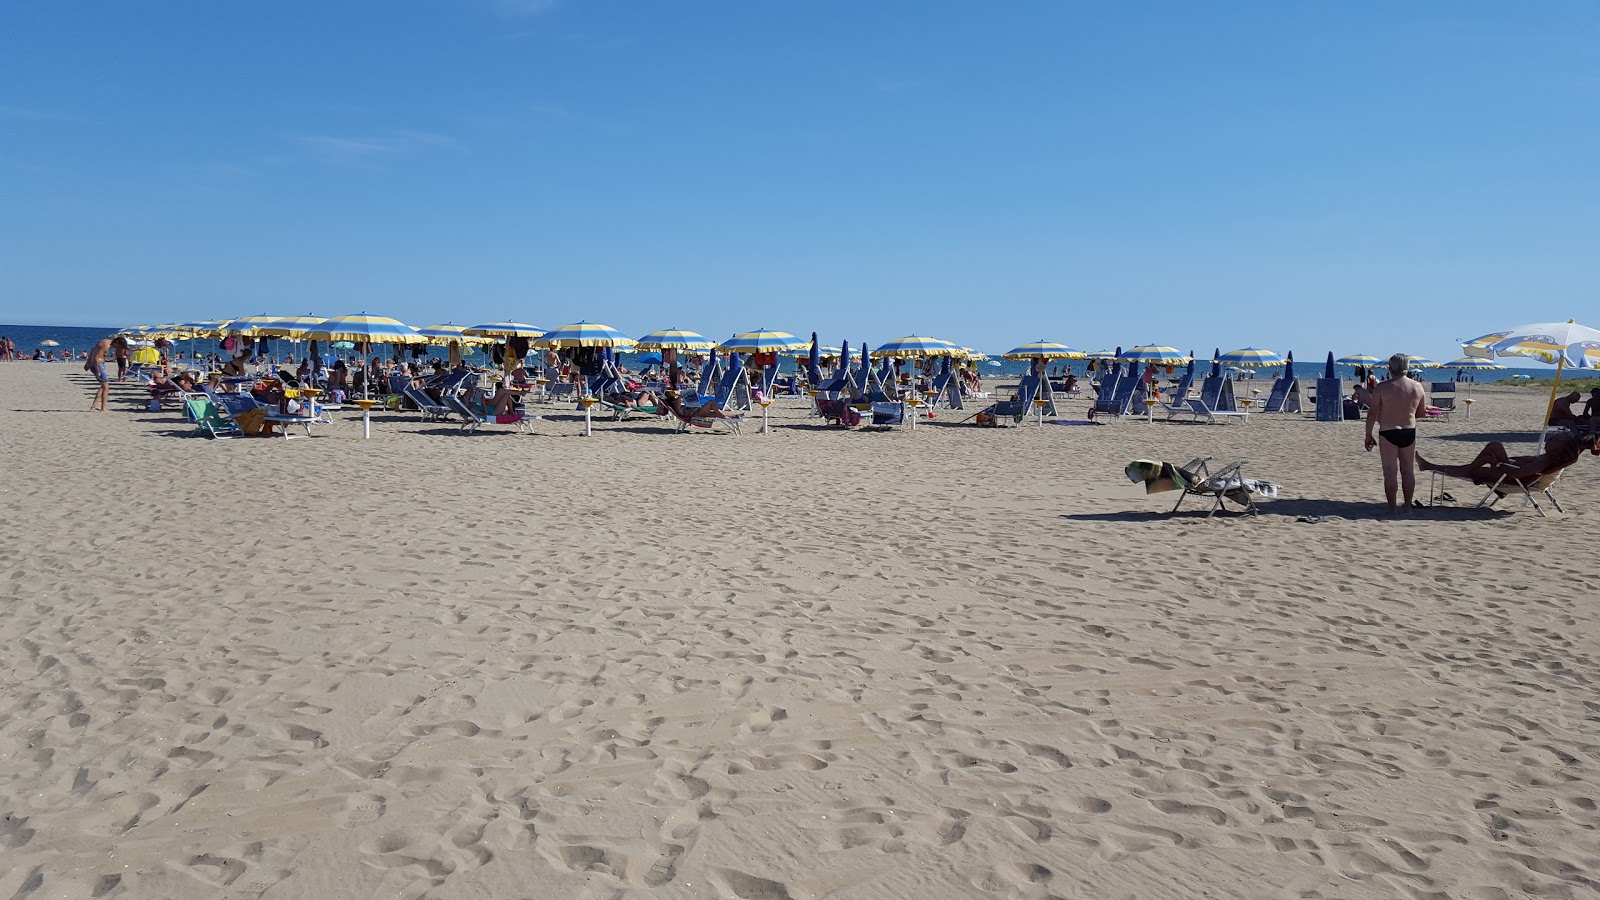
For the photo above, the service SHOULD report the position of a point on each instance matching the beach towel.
(1158, 477)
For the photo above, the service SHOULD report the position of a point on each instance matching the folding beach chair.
(889, 413)
(431, 410)
(471, 419)
(1200, 409)
(683, 423)
(838, 412)
(1544, 484)
(1443, 399)
(1285, 396)
(208, 419)
(1119, 400)
(1195, 479)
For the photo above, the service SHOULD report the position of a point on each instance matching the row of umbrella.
(1563, 344)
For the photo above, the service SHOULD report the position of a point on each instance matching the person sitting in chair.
(1493, 462)
(1591, 409)
(1561, 414)
(673, 402)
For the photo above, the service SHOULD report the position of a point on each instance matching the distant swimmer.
(1393, 407)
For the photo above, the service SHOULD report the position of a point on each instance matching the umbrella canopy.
(248, 326)
(649, 359)
(145, 356)
(366, 329)
(761, 341)
(584, 334)
(1250, 356)
(449, 331)
(1470, 362)
(1421, 362)
(805, 352)
(1100, 354)
(1549, 342)
(1561, 343)
(1358, 359)
(207, 327)
(675, 339)
(286, 326)
(1328, 370)
(1154, 353)
(49, 343)
(915, 346)
(504, 330)
(969, 353)
(1042, 349)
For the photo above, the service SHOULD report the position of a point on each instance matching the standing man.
(121, 346)
(1393, 407)
(96, 365)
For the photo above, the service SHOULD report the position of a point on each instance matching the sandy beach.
(949, 663)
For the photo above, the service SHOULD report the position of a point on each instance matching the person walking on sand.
(96, 365)
(1393, 407)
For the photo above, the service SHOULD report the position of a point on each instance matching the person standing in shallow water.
(1393, 407)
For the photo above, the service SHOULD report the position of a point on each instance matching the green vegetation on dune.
(1581, 385)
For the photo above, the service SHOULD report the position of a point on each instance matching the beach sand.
(949, 663)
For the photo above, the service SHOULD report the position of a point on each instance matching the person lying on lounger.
(706, 410)
(1493, 463)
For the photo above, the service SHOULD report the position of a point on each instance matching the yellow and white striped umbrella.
(675, 339)
(1042, 349)
(584, 334)
(1567, 343)
(505, 330)
(1154, 353)
(444, 334)
(288, 326)
(763, 342)
(914, 346)
(365, 329)
(249, 326)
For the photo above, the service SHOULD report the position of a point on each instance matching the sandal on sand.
(1312, 520)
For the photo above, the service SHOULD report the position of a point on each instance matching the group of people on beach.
(1393, 407)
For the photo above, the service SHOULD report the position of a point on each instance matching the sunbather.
(1561, 414)
(505, 400)
(161, 386)
(1591, 409)
(1493, 462)
(707, 410)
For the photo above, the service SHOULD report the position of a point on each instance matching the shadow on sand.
(1313, 511)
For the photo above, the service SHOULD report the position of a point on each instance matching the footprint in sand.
(362, 809)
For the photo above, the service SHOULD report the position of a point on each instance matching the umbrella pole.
(1551, 406)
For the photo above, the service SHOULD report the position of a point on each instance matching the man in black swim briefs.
(1392, 408)
(1400, 437)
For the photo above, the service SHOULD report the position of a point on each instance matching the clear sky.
(1314, 176)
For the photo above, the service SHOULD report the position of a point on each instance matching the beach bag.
(251, 421)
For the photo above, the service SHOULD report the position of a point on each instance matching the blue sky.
(1310, 176)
